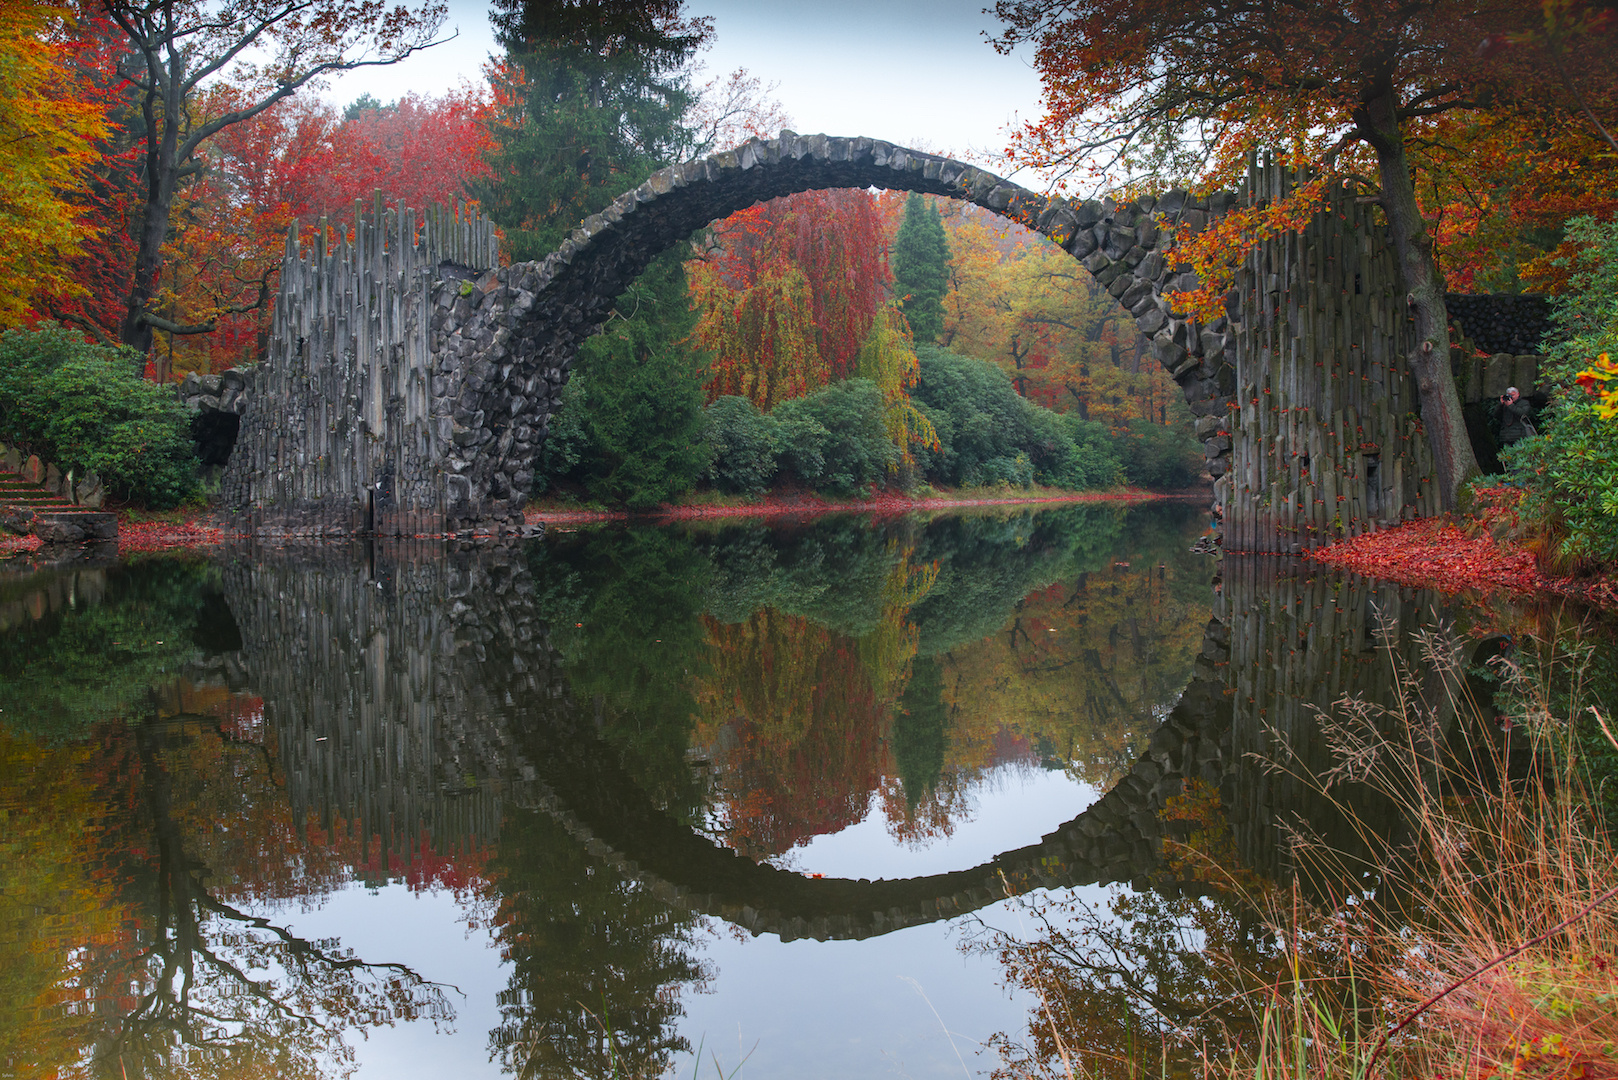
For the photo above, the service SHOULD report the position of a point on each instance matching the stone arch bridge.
(410, 380)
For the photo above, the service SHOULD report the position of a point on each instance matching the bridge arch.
(524, 327)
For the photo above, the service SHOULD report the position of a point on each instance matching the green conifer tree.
(921, 269)
(594, 99)
(642, 416)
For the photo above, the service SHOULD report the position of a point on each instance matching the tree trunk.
(162, 168)
(1441, 416)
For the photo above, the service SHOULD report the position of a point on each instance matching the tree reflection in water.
(1183, 966)
(791, 678)
(1133, 988)
(598, 962)
(163, 836)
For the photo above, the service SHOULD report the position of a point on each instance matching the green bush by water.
(989, 434)
(834, 439)
(87, 408)
(642, 445)
(1570, 472)
(745, 442)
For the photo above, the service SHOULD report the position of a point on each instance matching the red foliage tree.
(787, 292)
(295, 163)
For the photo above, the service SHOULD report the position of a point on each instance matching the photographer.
(1516, 417)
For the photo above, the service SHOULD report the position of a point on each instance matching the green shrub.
(86, 408)
(988, 433)
(835, 439)
(744, 443)
(1570, 471)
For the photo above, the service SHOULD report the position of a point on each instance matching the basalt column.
(353, 419)
(1323, 424)
(388, 675)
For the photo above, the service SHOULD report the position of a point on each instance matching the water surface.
(587, 805)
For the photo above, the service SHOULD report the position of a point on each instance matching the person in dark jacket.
(1516, 417)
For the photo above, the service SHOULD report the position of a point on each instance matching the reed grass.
(1480, 942)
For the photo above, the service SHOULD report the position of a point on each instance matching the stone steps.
(31, 508)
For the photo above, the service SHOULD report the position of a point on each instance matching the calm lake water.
(595, 803)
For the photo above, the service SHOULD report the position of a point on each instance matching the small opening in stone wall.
(1373, 485)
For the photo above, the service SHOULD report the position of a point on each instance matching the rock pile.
(217, 403)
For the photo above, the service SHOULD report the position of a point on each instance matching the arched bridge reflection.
(417, 689)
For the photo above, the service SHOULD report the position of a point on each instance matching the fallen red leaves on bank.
(10, 545)
(1435, 553)
(162, 535)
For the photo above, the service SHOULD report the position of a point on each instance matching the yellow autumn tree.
(888, 358)
(1019, 301)
(49, 138)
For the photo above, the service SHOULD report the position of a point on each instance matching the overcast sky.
(916, 72)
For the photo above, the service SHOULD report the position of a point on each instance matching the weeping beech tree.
(787, 292)
(1165, 91)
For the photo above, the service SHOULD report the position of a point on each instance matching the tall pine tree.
(592, 98)
(921, 269)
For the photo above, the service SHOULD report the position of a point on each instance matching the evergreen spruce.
(596, 96)
(641, 411)
(921, 269)
(595, 102)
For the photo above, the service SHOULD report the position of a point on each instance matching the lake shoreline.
(799, 505)
(1447, 554)
(1455, 556)
(143, 531)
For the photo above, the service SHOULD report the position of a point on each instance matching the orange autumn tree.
(1498, 188)
(786, 293)
(49, 129)
(804, 712)
(1019, 301)
(1157, 91)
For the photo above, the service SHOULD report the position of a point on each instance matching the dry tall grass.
(1480, 943)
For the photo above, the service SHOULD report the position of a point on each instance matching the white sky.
(915, 72)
